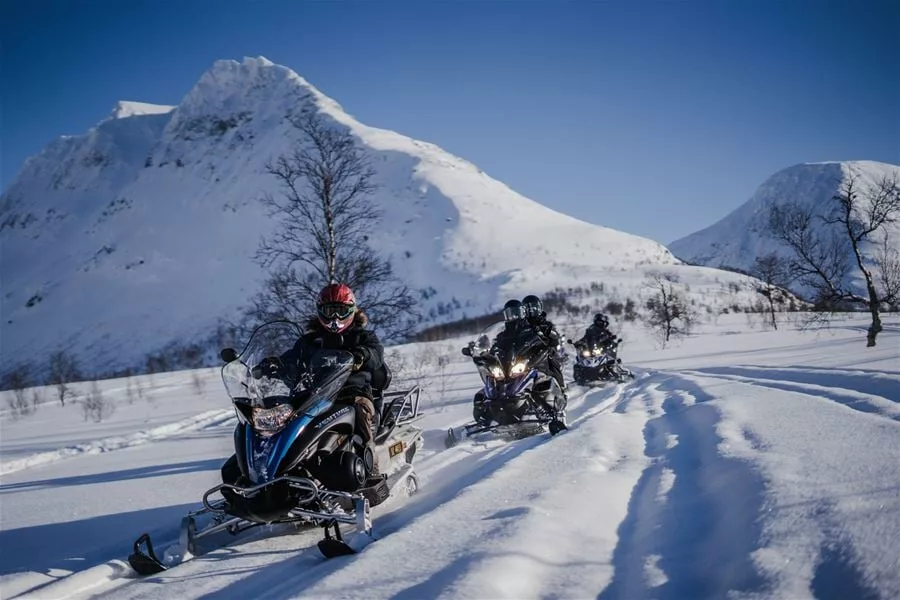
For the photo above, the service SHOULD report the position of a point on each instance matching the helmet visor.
(511, 313)
(532, 310)
(336, 310)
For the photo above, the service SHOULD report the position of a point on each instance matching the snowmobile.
(298, 460)
(518, 399)
(597, 363)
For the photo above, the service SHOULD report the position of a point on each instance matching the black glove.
(271, 366)
(359, 357)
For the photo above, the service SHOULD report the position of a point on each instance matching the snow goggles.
(336, 310)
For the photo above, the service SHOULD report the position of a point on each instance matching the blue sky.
(655, 118)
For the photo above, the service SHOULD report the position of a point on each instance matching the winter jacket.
(362, 342)
(597, 335)
(546, 330)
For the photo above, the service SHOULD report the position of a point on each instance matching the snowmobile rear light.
(268, 421)
(518, 368)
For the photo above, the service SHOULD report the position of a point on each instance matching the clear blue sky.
(655, 118)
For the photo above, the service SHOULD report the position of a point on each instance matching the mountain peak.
(256, 85)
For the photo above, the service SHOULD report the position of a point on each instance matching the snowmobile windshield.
(327, 372)
(485, 339)
(258, 376)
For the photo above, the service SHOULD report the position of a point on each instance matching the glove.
(271, 366)
(358, 359)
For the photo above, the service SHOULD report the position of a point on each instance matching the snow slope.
(141, 231)
(739, 238)
(740, 463)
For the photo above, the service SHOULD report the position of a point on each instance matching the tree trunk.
(331, 258)
(772, 310)
(875, 327)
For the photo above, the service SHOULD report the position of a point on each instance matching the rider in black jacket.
(598, 332)
(340, 324)
(537, 318)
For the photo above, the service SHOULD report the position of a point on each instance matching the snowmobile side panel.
(266, 454)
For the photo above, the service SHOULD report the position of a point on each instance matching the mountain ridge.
(140, 232)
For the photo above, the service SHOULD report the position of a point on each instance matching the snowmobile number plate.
(395, 449)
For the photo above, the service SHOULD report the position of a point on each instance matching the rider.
(340, 324)
(598, 332)
(537, 318)
(513, 323)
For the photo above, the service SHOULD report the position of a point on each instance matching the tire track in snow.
(826, 533)
(451, 474)
(827, 388)
(692, 522)
(502, 522)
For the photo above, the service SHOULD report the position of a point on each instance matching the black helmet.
(533, 306)
(513, 311)
(600, 320)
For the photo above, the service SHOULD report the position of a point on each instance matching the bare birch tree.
(668, 313)
(825, 248)
(771, 270)
(325, 219)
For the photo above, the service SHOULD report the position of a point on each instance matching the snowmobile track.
(863, 395)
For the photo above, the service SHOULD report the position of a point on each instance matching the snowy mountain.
(738, 239)
(140, 232)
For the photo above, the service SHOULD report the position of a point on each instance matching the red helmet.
(336, 307)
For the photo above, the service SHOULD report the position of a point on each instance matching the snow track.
(828, 523)
(863, 391)
(207, 419)
(477, 502)
(691, 524)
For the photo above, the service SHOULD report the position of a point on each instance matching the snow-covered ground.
(740, 463)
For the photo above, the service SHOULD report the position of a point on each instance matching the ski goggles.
(336, 310)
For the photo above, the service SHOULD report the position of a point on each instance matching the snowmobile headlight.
(267, 421)
(496, 372)
(598, 351)
(585, 352)
(518, 368)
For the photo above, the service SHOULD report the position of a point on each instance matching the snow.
(127, 108)
(141, 232)
(739, 463)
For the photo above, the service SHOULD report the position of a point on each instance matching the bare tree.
(823, 255)
(18, 380)
(326, 216)
(771, 269)
(63, 370)
(129, 389)
(95, 405)
(887, 269)
(197, 383)
(411, 370)
(668, 312)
